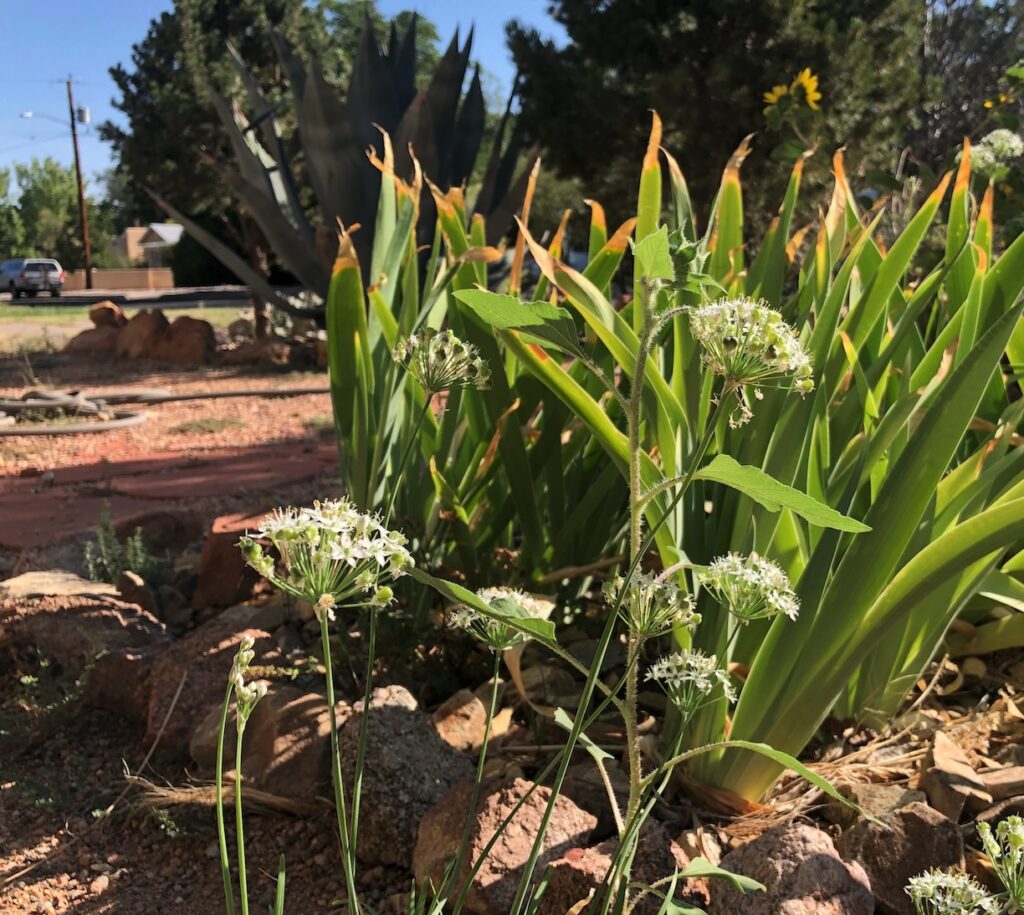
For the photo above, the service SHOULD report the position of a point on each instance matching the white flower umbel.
(440, 361)
(689, 678)
(329, 554)
(750, 587)
(651, 607)
(496, 634)
(938, 892)
(748, 343)
(1006, 849)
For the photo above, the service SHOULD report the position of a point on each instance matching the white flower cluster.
(747, 342)
(992, 153)
(329, 553)
(246, 694)
(688, 678)
(440, 361)
(938, 892)
(1006, 849)
(495, 633)
(651, 607)
(750, 587)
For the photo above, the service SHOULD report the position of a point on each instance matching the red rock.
(494, 887)
(107, 314)
(461, 721)
(120, 680)
(138, 338)
(203, 658)
(224, 577)
(803, 875)
(581, 871)
(408, 770)
(94, 340)
(188, 341)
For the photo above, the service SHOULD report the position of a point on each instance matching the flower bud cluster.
(748, 343)
(689, 678)
(498, 632)
(750, 587)
(329, 553)
(440, 361)
(650, 606)
(938, 892)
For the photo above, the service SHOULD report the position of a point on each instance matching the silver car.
(29, 275)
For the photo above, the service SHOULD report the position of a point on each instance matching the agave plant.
(444, 125)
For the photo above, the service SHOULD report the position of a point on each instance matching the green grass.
(65, 314)
(213, 424)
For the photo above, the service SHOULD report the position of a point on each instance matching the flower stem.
(347, 852)
(413, 438)
(239, 832)
(222, 841)
(357, 784)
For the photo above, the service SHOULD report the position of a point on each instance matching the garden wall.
(127, 278)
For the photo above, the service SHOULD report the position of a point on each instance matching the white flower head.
(498, 632)
(750, 587)
(938, 892)
(689, 678)
(650, 606)
(440, 361)
(748, 343)
(329, 553)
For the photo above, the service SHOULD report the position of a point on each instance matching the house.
(157, 241)
(126, 246)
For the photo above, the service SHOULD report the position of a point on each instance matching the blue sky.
(84, 38)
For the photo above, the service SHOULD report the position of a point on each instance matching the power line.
(33, 142)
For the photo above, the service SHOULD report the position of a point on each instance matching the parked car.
(29, 275)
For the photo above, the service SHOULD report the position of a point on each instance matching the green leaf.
(652, 255)
(542, 630)
(701, 867)
(564, 721)
(774, 496)
(541, 320)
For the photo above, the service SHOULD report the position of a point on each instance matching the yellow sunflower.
(775, 94)
(809, 82)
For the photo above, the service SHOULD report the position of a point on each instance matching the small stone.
(134, 590)
(803, 875)
(99, 885)
(461, 721)
(911, 840)
(950, 781)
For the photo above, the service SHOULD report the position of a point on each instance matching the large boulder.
(188, 341)
(408, 770)
(138, 338)
(494, 887)
(909, 841)
(287, 746)
(199, 663)
(94, 340)
(803, 875)
(107, 314)
(581, 871)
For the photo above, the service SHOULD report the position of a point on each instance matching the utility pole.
(82, 212)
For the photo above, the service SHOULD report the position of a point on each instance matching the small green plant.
(106, 557)
(206, 426)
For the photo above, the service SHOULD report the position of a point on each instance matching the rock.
(461, 721)
(134, 590)
(700, 843)
(287, 745)
(581, 871)
(53, 583)
(268, 616)
(1004, 783)
(164, 530)
(912, 840)
(99, 885)
(224, 577)
(176, 609)
(494, 887)
(303, 327)
(107, 314)
(950, 781)
(188, 341)
(875, 800)
(242, 328)
(409, 768)
(803, 875)
(120, 680)
(94, 340)
(584, 786)
(322, 354)
(267, 351)
(203, 658)
(138, 338)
